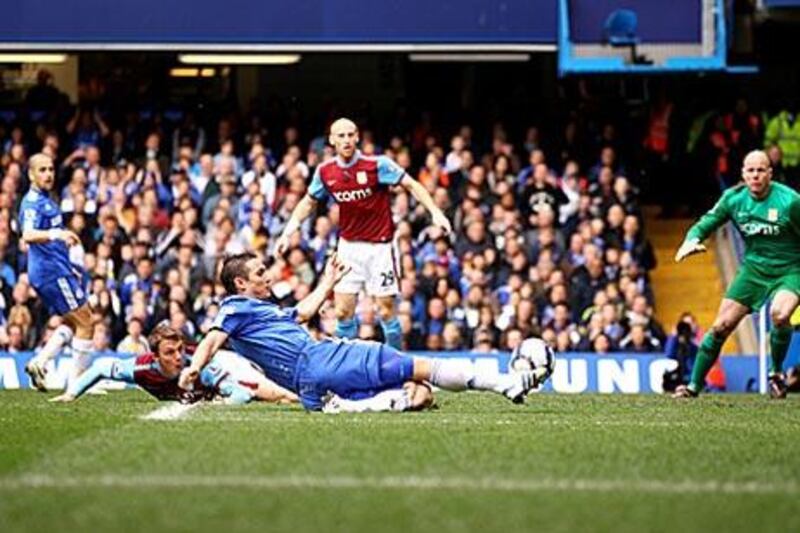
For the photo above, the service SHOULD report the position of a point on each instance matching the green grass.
(559, 463)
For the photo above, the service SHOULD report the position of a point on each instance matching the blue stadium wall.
(279, 21)
(85, 22)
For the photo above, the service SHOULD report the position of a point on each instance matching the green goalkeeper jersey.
(770, 226)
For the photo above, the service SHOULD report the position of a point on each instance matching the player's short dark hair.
(164, 333)
(234, 266)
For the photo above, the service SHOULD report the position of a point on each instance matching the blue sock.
(347, 328)
(393, 333)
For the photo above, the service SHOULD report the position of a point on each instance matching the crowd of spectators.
(546, 242)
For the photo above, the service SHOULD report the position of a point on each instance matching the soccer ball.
(531, 354)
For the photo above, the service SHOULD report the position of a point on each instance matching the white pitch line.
(173, 411)
(417, 420)
(401, 483)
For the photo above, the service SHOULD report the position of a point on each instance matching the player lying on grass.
(273, 339)
(231, 378)
(767, 215)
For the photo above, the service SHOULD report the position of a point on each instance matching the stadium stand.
(548, 241)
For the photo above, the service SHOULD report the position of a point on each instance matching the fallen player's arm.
(309, 306)
(233, 392)
(101, 369)
(269, 391)
(236, 392)
(205, 351)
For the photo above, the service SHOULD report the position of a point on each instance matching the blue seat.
(620, 30)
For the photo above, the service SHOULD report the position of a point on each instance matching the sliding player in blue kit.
(358, 375)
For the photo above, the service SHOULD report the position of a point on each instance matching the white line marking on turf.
(388, 419)
(170, 412)
(401, 483)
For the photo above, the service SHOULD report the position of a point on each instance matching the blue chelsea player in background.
(55, 279)
(351, 375)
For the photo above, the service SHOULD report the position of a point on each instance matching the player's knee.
(386, 313)
(386, 308)
(780, 318)
(344, 312)
(80, 319)
(722, 328)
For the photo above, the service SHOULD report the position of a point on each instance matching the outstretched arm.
(205, 351)
(421, 194)
(309, 306)
(302, 211)
(704, 227)
(102, 369)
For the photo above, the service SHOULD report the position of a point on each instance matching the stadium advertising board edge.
(575, 373)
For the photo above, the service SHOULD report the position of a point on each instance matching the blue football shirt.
(266, 334)
(48, 260)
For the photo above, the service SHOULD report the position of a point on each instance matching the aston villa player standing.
(360, 185)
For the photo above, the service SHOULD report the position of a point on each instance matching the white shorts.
(373, 268)
(240, 369)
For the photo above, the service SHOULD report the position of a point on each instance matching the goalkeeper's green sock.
(779, 340)
(706, 355)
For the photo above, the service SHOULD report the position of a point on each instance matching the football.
(531, 354)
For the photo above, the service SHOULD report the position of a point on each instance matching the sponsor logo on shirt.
(352, 196)
(759, 228)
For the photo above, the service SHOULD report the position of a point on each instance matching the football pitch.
(559, 463)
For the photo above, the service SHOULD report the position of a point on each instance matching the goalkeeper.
(767, 215)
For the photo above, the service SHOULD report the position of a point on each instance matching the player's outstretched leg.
(729, 315)
(706, 357)
(82, 350)
(36, 367)
(411, 396)
(455, 375)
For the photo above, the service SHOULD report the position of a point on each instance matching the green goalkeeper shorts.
(753, 289)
